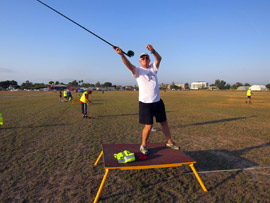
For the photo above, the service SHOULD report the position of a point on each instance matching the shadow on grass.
(109, 116)
(222, 160)
(135, 114)
(210, 160)
(38, 126)
(212, 122)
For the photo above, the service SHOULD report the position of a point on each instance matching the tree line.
(220, 84)
(29, 85)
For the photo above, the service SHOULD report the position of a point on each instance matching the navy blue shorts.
(148, 110)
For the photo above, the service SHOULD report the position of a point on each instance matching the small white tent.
(243, 88)
(258, 88)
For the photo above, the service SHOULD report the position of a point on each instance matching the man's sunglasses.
(145, 57)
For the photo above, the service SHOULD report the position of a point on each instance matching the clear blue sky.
(199, 40)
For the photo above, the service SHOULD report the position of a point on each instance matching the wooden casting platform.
(159, 157)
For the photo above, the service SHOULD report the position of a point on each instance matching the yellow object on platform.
(124, 157)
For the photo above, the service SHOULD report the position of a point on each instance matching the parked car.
(79, 90)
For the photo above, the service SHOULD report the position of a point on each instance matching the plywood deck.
(159, 157)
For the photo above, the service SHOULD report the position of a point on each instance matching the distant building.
(164, 86)
(11, 88)
(180, 86)
(198, 85)
(59, 87)
(258, 88)
(245, 88)
(41, 89)
(212, 88)
(108, 89)
(128, 87)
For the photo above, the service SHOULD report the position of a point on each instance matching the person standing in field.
(65, 95)
(150, 103)
(60, 95)
(69, 95)
(1, 119)
(249, 93)
(84, 100)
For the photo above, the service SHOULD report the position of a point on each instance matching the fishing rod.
(130, 53)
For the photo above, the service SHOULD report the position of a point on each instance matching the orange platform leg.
(101, 185)
(100, 155)
(198, 177)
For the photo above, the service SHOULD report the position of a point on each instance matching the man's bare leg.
(166, 131)
(146, 133)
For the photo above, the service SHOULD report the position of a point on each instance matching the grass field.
(47, 150)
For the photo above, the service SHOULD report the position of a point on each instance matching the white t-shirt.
(148, 84)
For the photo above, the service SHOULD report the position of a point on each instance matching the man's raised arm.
(156, 55)
(125, 60)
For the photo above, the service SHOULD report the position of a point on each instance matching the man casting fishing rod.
(150, 103)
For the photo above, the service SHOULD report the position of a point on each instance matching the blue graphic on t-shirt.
(151, 76)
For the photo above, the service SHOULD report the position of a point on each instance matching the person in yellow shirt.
(84, 100)
(1, 119)
(65, 95)
(249, 93)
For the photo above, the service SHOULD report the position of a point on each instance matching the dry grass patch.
(47, 150)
